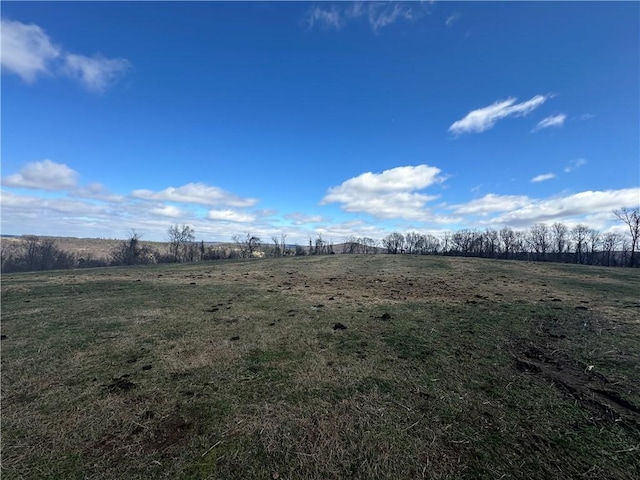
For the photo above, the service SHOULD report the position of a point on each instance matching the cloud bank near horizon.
(394, 199)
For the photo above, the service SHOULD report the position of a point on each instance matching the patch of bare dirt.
(120, 384)
(170, 431)
(591, 389)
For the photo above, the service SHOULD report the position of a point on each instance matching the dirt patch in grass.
(582, 383)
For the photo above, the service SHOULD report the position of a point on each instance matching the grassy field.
(322, 368)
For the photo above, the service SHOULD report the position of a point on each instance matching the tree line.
(541, 242)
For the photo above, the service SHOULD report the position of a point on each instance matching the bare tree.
(277, 251)
(631, 217)
(394, 242)
(508, 239)
(131, 252)
(594, 240)
(431, 244)
(180, 238)
(35, 253)
(559, 232)
(609, 243)
(320, 247)
(580, 234)
(491, 243)
(539, 240)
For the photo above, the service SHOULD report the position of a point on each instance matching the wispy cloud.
(27, 51)
(377, 14)
(574, 165)
(451, 19)
(485, 118)
(552, 121)
(393, 193)
(326, 18)
(584, 116)
(543, 178)
(96, 73)
(95, 191)
(195, 193)
(380, 16)
(43, 175)
(302, 219)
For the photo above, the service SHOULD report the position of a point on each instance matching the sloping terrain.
(322, 367)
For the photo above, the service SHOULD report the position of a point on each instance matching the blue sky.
(303, 118)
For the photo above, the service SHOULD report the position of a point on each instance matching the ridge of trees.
(541, 242)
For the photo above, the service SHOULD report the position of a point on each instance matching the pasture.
(331, 367)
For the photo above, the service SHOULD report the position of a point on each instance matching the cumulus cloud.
(390, 194)
(28, 52)
(570, 206)
(231, 216)
(195, 193)
(485, 118)
(552, 121)
(377, 14)
(543, 177)
(43, 175)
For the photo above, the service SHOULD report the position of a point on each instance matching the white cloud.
(36, 206)
(95, 191)
(574, 165)
(543, 177)
(231, 216)
(302, 219)
(485, 118)
(195, 193)
(326, 18)
(569, 207)
(584, 116)
(453, 18)
(44, 175)
(170, 211)
(390, 194)
(552, 121)
(380, 17)
(28, 52)
(377, 14)
(96, 73)
(491, 203)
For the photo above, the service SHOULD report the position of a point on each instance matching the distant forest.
(541, 242)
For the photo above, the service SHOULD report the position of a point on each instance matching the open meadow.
(331, 367)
